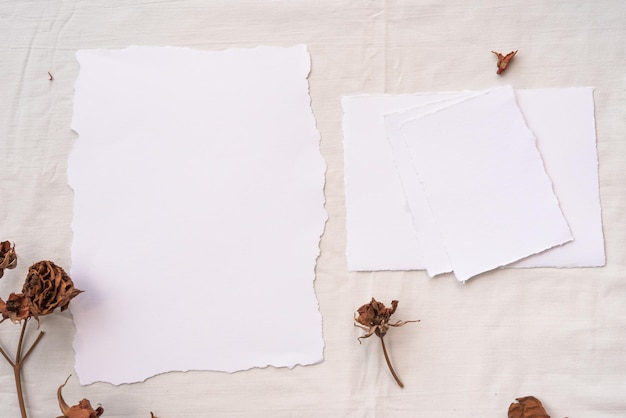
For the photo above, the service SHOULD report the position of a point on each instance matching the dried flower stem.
(17, 364)
(374, 318)
(395, 376)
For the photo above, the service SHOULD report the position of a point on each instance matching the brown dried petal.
(365, 315)
(8, 258)
(15, 308)
(528, 407)
(48, 287)
(503, 60)
(82, 410)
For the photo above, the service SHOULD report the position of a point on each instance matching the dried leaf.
(527, 407)
(503, 60)
(48, 287)
(8, 258)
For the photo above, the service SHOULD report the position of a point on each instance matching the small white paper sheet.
(393, 224)
(484, 182)
(198, 212)
(427, 232)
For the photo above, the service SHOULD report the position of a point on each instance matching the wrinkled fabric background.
(555, 334)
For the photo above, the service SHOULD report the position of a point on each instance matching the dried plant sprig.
(46, 288)
(8, 258)
(503, 60)
(82, 409)
(374, 318)
(527, 407)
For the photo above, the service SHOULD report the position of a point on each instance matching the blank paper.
(380, 227)
(485, 182)
(198, 211)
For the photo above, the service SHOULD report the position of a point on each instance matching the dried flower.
(81, 410)
(503, 60)
(8, 258)
(374, 318)
(48, 287)
(15, 308)
(528, 407)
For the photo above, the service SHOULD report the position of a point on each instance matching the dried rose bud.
(8, 258)
(15, 308)
(375, 316)
(528, 407)
(48, 287)
(82, 410)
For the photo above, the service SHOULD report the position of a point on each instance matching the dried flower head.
(48, 287)
(15, 308)
(81, 410)
(8, 258)
(374, 318)
(503, 60)
(527, 407)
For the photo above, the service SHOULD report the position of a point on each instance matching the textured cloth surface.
(557, 334)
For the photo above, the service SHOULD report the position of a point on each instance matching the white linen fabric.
(557, 334)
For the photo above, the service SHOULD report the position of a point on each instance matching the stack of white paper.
(471, 181)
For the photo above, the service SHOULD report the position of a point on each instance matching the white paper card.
(198, 211)
(380, 228)
(485, 182)
(427, 233)
(379, 220)
(563, 121)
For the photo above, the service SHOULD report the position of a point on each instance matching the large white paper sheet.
(379, 225)
(198, 211)
(485, 182)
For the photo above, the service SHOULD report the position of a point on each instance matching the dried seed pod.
(503, 60)
(48, 287)
(8, 258)
(81, 410)
(527, 407)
